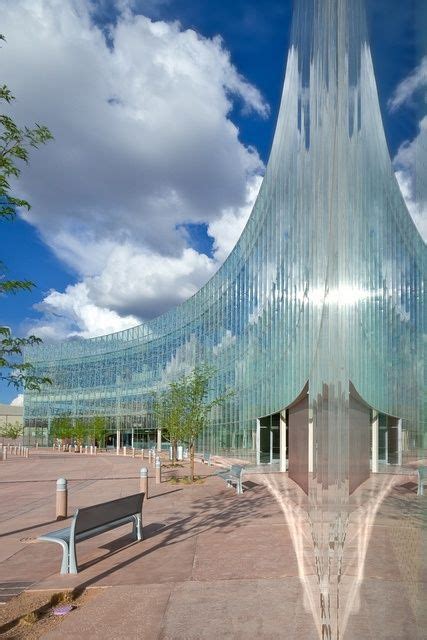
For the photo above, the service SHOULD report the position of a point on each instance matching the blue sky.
(100, 220)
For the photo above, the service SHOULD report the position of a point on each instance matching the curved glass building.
(317, 317)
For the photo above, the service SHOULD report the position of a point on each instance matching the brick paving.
(213, 564)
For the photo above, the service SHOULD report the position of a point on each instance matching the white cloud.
(18, 401)
(227, 229)
(143, 143)
(410, 85)
(410, 162)
(72, 313)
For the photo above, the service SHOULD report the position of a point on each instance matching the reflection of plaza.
(380, 585)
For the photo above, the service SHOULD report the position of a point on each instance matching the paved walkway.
(214, 564)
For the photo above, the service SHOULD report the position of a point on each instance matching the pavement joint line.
(164, 615)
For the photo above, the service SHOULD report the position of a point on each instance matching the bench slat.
(107, 512)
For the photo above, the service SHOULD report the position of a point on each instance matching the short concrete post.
(37, 445)
(142, 454)
(133, 452)
(149, 455)
(15, 450)
(143, 481)
(4, 453)
(27, 452)
(124, 451)
(61, 499)
(86, 449)
(53, 447)
(94, 451)
(158, 470)
(81, 448)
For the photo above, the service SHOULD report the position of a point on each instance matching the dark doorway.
(269, 439)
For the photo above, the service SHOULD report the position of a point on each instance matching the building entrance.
(269, 439)
(389, 439)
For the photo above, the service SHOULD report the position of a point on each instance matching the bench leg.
(73, 558)
(137, 527)
(65, 552)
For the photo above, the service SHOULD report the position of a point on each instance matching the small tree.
(169, 411)
(11, 430)
(15, 143)
(184, 407)
(61, 428)
(80, 431)
(197, 405)
(98, 430)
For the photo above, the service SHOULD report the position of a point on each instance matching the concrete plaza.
(213, 564)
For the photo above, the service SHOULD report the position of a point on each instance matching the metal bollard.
(124, 451)
(143, 481)
(61, 499)
(158, 470)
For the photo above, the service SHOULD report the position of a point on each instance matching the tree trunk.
(192, 461)
(174, 445)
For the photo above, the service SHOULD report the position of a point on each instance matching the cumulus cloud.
(73, 314)
(227, 229)
(410, 162)
(404, 92)
(144, 143)
(18, 401)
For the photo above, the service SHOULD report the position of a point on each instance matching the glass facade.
(326, 283)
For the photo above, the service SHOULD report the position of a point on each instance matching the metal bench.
(90, 521)
(422, 477)
(233, 477)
